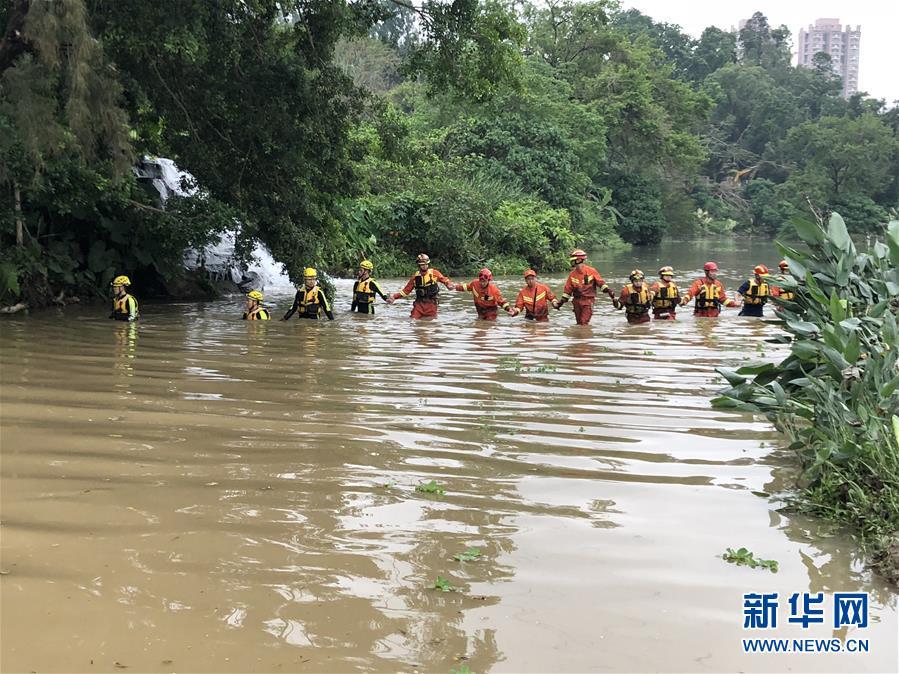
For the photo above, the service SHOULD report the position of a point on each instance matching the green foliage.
(768, 212)
(860, 213)
(638, 201)
(481, 132)
(470, 555)
(431, 487)
(854, 155)
(744, 557)
(528, 152)
(834, 396)
(443, 585)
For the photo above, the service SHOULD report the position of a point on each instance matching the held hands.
(390, 300)
(556, 304)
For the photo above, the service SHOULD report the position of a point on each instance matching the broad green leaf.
(893, 241)
(838, 234)
(835, 357)
(837, 310)
(806, 350)
(732, 377)
(803, 328)
(852, 350)
(814, 289)
(756, 368)
(808, 230)
(889, 387)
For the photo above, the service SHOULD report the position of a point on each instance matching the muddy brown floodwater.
(196, 493)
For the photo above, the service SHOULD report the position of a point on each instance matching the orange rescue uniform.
(581, 286)
(486, 300)
(424, 284)
(535, 301)
(710, 297)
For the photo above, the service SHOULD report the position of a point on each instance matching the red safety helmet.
(485, 273)
(710, 266)
(577, 253)
(783, 264)
(530, 272)
(761, 270)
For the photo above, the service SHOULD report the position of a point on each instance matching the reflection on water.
(201, 493)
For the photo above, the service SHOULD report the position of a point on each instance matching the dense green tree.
(715, 49)
(639, 202)
(763, 46)
(676, 47)
(852, 155)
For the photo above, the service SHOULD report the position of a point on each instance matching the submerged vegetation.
(481, 133)
(836, 396)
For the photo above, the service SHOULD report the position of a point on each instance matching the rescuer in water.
(581, 286)
(709, 293)
(253, 310)
(124, 306)
(425, 282)
(487, 297)
(310, 300)
(535, 299)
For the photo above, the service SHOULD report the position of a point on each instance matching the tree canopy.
(330, 130)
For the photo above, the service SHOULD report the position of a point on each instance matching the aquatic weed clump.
(836, 396)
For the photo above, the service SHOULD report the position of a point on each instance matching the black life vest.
(426, 288)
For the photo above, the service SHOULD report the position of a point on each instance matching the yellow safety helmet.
(366, 264)
(666, 271)
(255, 295)
(423, 258)
(310, 272)
(637, 274)
(121, 281)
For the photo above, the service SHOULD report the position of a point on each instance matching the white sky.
(879, 19)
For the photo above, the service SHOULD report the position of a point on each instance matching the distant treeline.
(332, 131)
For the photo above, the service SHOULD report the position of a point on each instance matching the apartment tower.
(841, 43)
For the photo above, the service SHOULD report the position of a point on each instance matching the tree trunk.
(20, 224)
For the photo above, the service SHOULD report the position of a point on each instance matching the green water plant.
(432, 487)
(836, 395)
(444, 585)
(743, 557)
(470, 555)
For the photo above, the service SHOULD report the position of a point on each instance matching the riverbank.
(836, 396)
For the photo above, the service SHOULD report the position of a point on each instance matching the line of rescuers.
(640, 301)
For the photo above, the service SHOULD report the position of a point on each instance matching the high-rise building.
(841, 43)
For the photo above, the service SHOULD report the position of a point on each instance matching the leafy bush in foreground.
(836, 396)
